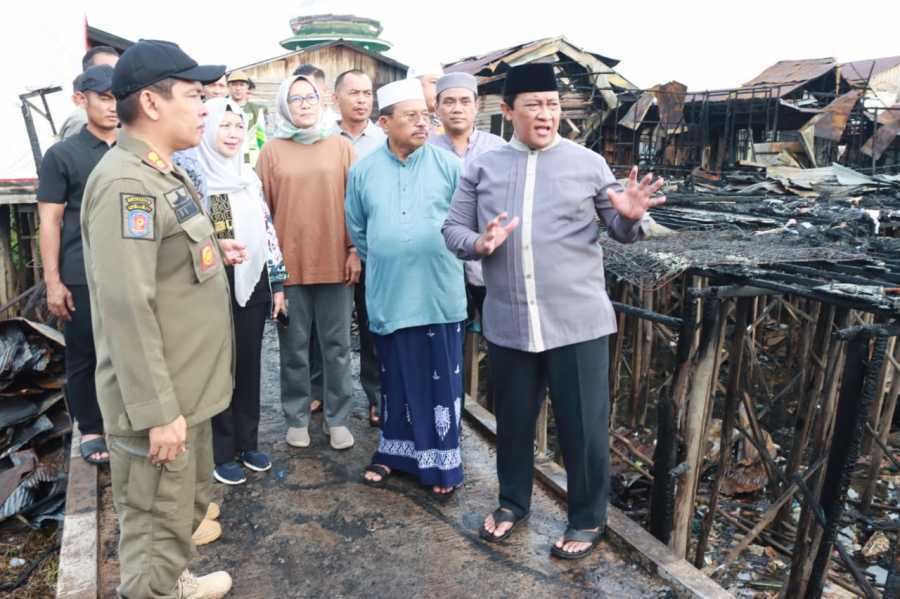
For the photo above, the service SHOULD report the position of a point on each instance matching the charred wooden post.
(662, 494)
(875, 415)
(806, 409)
(695, 426)
(731, 402)
(646, 361)
(883, 432)
(856, 398)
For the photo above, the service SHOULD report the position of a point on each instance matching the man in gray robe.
(547, 314)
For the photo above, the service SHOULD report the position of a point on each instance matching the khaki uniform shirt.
(160, 301)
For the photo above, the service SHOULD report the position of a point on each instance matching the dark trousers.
(81, 361)
(235, 430)
(368, 361)
(578, 379)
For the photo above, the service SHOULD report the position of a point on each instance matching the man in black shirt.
(64, 171)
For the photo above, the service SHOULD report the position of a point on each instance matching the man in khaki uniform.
(162, 321)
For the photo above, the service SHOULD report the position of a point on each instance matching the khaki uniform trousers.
(158, 507)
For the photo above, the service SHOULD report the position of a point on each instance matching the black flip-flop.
(501, 515)
(577, 536)
(381, 471)
(89, 448)
(442, 497)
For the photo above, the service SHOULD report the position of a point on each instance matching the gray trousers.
(368, 361)
(329, 307)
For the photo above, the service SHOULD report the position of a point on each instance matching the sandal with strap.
(577, 536)
(501, 515)
(89, 448)
(382, 471)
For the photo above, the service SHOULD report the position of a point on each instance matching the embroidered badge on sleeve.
(207, 256)
(138, 216)
(182, 203)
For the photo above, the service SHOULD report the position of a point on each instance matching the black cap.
(150, 61)
(97, 78)
(535, 77)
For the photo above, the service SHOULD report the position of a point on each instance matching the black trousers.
(578, 379)
(81, 361)
(235, 430)
(368, 361)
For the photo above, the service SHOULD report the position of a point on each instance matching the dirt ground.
(310, 528)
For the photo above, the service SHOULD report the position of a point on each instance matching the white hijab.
(229, 175)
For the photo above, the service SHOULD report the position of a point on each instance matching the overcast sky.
(704, 44)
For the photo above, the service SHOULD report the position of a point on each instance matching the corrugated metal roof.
(777, 81)
(788, 75)
(859, 71)
(485, 64)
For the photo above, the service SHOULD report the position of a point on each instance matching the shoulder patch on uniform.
(138, 216)
(182, 203)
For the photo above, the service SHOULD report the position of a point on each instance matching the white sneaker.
(341, 437)
(298, 436)
(211, 586)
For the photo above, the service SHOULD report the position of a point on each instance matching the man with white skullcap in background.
(397, 199)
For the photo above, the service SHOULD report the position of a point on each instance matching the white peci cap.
(399, 91)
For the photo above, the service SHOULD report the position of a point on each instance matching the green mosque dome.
(321, 29)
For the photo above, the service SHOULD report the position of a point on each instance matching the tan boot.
(211, 586)
(213, 511)
(207, 532)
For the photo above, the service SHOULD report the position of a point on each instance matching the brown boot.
(207, 532)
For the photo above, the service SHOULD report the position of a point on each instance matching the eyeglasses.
(311, 99)
(415, 117)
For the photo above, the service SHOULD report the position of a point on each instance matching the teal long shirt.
(394, 213)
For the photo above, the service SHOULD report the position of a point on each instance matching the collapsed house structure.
(799, 113)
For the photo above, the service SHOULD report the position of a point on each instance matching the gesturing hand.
(636, 200)
(495, 234)
(233, 252)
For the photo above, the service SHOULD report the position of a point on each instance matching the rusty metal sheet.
(860, 71)
(779, 80)
(670, 100)
(830, 123)
(889, 129)
(638, 111)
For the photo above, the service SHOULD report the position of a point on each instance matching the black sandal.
(89, 448)
(382, 471)
(442, 497)
(577, 536)
(501, 515)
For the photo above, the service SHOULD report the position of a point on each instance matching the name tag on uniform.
(137, 216)
(182, 203)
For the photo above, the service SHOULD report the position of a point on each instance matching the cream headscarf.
(229, 175)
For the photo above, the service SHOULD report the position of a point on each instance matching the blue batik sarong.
(421, 402)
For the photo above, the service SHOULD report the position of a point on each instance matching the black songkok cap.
(535, 77)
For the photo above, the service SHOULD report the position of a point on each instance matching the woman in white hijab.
(238, 211)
